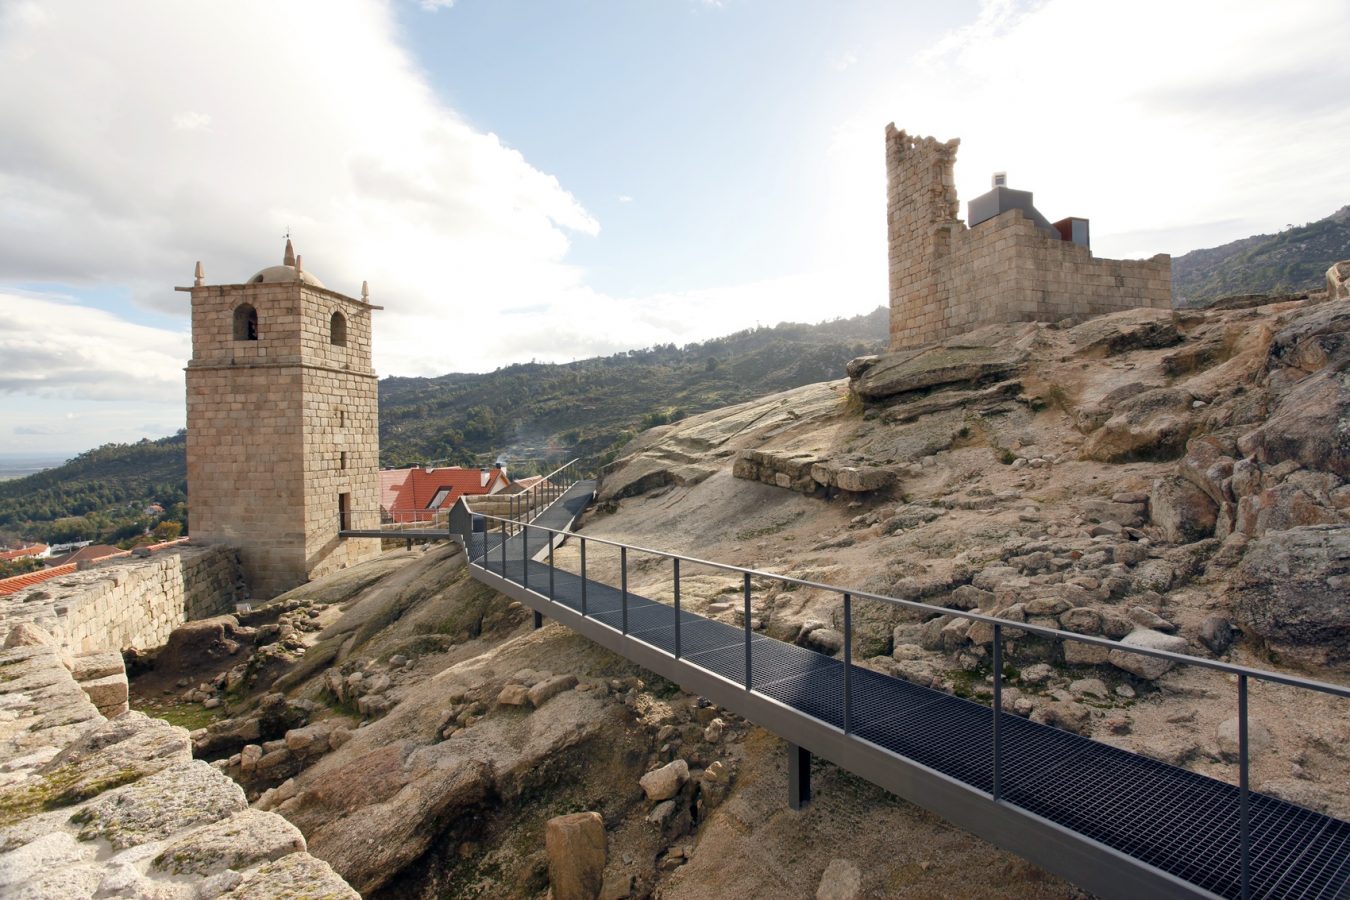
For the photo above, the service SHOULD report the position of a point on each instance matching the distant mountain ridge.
(587, 408)
(1291, 261)
(102, 493)
(590, 408)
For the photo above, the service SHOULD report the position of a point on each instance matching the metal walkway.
(1113, 822)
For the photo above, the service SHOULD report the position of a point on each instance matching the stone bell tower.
(282, 424)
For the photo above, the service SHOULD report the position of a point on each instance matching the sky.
(554, 180)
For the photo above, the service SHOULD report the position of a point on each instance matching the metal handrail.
(1183, 658)
(995, 794)
(543, 488)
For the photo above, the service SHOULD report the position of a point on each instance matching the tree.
(20, 566)
(167, 531)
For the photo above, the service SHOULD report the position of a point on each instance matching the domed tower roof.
(291, 269)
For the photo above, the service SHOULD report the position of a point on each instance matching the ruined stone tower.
(282, 424)
(1010, 265)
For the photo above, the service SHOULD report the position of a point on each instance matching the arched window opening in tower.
(245, 323)
(337, 330)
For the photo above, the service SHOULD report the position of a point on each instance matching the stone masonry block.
(109, 691)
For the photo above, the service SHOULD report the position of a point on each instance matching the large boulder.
(636, 475)
(1338, 281)
(842, 880)
(1208, 464)
(1147, 667)
(665, 782)
(932, 366)
(117, 752)
(245, 839)
(1135, 329)
(1311, 425)
(26, 634)
(1153, 425)
(200, 642)
(371, 818)
(575, 844)
(1280, 508)
(1292, 588)
(1316, 337)
(1183, 511)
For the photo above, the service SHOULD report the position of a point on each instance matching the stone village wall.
(130, 602)
(946, 279)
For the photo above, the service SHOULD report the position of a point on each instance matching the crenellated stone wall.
(947, 279)
(129, 602)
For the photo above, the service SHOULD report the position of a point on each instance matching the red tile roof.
(407, 494)
(19, 582)
(30, 550)
(92, 552)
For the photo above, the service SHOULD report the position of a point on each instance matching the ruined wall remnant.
(130, 602)
(946, 279)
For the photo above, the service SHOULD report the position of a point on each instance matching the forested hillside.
(535, 413)
(1293, 260)
(532, 414)
(101, 494)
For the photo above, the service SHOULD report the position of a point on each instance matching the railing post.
(749, 677)
(998, 704)
(677, 607)
(583, 577)
(848, 664)
(1244, 814)
(623, 585)
(799, 776)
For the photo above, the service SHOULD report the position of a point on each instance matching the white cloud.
(848, 58)
(344, 145)
(111, 175)
(1170, 125)
(191, 121)
(65, 351)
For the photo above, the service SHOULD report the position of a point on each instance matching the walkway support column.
(799, 776)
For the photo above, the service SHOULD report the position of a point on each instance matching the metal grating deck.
(1169, 818)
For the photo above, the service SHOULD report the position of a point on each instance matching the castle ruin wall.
(947, 279)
